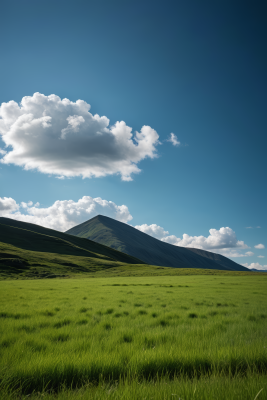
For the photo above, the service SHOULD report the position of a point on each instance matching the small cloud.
(233, 253)
(153, 230)
(25, 205)
(257, 227)
(249, 227)
(3, 152)
(260, 256)
(37, 204)
(259, 246)
(173, 139)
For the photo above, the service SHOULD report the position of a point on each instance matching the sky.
(149, 112)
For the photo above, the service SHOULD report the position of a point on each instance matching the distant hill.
(33, 251)
(129, 240)
(258, 270)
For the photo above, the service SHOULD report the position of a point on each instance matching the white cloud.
(251, 227)
(7, 205)
(25, 205)
(222, 241)
(261, 256)
(174, 140)
(218, 239)
(259, 246)
(63, 138)
(152, 230)
(230, 253)
(256, 266)
(63, 215)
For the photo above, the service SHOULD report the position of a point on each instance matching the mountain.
(258, 270)
(129, 240)
(34, 251)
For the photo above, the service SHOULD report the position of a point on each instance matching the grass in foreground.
(69, 333)
(251, 387)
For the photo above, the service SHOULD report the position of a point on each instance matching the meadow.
(158, 337)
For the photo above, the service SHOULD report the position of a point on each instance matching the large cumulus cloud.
(63, 138)
(63, 214)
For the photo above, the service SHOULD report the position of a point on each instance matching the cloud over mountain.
(7, 205)
(223, 241)
(256, 266)
(153, 230)
(63, 215)
(63, 138)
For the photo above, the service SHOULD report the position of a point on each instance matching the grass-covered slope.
(30, 250)
(55, 242)
(129, 240)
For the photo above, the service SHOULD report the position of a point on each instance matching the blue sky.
(194, 69)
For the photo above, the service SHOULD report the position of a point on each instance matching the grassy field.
(187, 337)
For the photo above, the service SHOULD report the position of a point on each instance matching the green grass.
(151, 337)
(251, 387)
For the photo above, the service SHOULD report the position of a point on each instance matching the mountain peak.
(129, 240)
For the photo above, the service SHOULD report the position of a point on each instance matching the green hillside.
(29, 250)
(55, 242)
(37, 252)
(129, 240)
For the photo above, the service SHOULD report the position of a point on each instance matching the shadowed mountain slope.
(129, 240)
(39, 239)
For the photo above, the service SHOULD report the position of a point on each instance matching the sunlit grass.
(74, 332)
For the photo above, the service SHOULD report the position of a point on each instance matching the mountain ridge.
(127, 239)
(34, 237)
